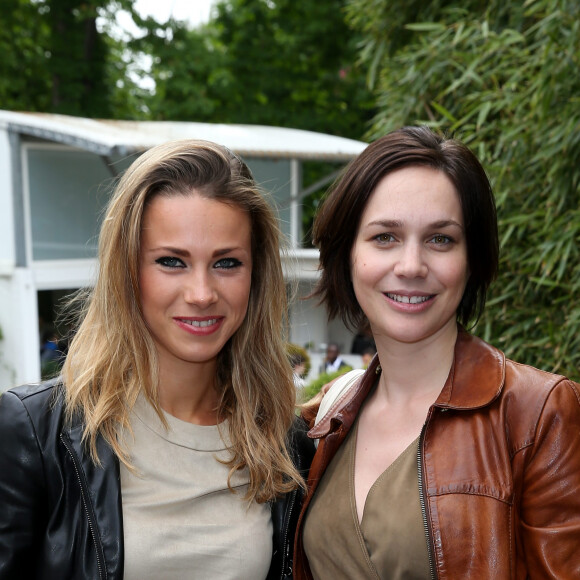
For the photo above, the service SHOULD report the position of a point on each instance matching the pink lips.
(200, 325)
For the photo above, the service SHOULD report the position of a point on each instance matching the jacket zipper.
(99, 564)
(285, 541)
(432, 571)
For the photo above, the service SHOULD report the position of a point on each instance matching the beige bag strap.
(337, 392)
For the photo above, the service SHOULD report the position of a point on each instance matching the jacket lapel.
(101, 487)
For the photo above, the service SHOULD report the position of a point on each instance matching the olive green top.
(389, 543)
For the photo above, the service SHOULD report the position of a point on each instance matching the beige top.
(180, 520)
(389, 543)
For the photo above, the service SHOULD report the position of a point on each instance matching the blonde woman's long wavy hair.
(112, 357)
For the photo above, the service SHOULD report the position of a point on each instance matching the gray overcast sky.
(194, 11)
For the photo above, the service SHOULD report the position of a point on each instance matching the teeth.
(408, 299)
(201, 323)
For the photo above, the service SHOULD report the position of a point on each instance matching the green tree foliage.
(77, 60)
(504, 77)
(24, 38)
(55, 58)
(187, 69)
(314, 386)
(275, 62)
(282, 63)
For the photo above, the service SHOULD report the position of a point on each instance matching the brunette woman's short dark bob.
(338, 219)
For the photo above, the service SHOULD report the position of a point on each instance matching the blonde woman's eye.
(170, 262)
(228, 263)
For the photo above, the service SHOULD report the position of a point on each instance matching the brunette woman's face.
(195, 276)
(409, 260)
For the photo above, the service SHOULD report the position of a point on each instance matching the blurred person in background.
(333, 361)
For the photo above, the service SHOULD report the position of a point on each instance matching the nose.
(411, 262)
(199, 289)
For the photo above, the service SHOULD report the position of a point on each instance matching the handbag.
(337, 392)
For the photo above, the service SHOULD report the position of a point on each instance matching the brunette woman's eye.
(384, 238)
(227, 263)
(170, 262)
(441, 239)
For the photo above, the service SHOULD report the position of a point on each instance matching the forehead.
(416, 192)
(194, 219)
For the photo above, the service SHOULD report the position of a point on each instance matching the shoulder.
(518, 375)
(539, 409)
(34, 403)
(533, 391)
(522, 387)
(481, 374)
(35, 393)
(528, 384)
(29, 428)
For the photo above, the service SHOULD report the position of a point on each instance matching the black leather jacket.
(61, 515)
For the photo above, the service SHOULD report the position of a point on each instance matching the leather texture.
(60, 514)
(500, 468)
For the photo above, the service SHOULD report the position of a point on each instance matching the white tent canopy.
(106, 137)
(56, 173)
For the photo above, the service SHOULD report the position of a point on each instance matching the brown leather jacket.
(499, 468)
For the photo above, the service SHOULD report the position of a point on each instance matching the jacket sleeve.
(21, 490)
(550, 502)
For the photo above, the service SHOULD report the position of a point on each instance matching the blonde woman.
(168, 447)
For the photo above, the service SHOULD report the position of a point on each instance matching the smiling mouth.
(409, 299)
(201, 323)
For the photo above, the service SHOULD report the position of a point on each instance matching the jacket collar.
(477, 374)
(476, 379)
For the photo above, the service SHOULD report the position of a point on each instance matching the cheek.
(363, 271)
(153, 293)
(240, 296)
(458, 276)
(363, 281)
(144, 291)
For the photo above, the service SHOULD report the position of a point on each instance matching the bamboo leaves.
(504, 77)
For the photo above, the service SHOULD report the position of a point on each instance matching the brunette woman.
(445, 460)
(167, 448)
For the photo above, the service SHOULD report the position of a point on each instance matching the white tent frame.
(21, 277)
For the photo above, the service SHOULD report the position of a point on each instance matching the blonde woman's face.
(195, 276)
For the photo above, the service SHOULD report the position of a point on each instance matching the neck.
(416, 370)
(189, 392)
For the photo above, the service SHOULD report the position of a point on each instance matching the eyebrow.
(170, 250)
(394, 224)
(184, 253)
